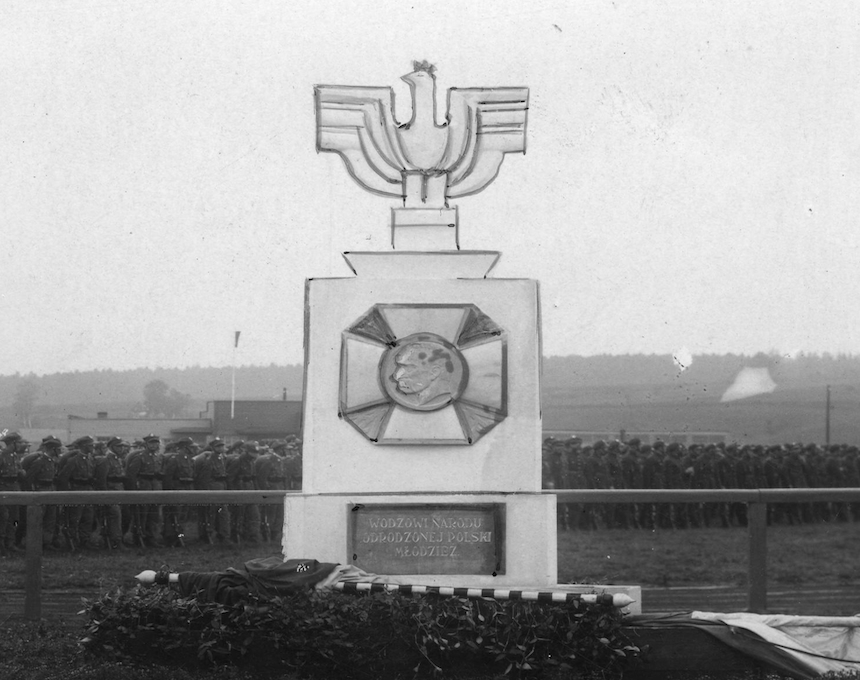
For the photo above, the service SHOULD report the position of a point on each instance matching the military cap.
(280, 446)
(183, 441)
(151, 437)
(217, 441)
(51, 440)
(236, 445)
(138, 442)
(599, 445)
(673, 447)
(86, 439)
(11, 437)
(114, 440)
(634, 442)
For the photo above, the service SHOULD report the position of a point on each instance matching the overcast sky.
(692, 176)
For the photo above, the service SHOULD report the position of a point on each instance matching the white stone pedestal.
(318, 526)
(435, 493)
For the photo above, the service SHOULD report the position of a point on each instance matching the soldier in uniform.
(746, 478)
(40, 470)
(10, 480)
(851, 479)
(813, 470)
(545, 467)
(293, 464)
(143, 473)
(673, 478)
(559, 478)
(76, 474)
(126, 511)
(110, 476)
(22, 449)
(652, 478)
(575, 480)
(210, 473)
(615, 515)
(178, 476)
(773, 480)
(795, 478)
(631, 475)
(240, 475)
(591, 473)
(270, 474)
(725, 477)
(834, 473)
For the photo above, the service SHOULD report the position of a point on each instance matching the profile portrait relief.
(424, 373)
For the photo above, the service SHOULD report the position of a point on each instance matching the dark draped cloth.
(262, 577)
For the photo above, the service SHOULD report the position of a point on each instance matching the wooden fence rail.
(756, 499)
(36, 500)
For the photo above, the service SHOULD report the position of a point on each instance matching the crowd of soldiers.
(146, 464)
(149, 464)
(570, 464)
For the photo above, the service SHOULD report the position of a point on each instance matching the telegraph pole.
(827, 419)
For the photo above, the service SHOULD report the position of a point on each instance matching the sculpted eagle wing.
(358, 124)
(484, 124)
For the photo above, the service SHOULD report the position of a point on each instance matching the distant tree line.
(710, 369)
(127, 387)
(605, 391)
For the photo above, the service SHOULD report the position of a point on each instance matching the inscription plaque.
(428, 538)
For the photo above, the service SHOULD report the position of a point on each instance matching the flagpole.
(233, 386)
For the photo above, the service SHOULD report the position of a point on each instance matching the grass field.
(820, 554)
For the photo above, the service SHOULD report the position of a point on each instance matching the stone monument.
(422, 429)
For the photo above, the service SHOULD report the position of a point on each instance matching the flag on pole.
(236, 341)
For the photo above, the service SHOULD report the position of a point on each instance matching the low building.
(103, 428)
(254, 419)
(242, 419)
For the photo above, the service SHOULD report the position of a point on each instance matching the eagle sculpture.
(421, 162)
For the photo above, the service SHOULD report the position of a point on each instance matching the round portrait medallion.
(423, 372)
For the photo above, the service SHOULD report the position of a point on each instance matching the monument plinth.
(422, 430)
(422, 415)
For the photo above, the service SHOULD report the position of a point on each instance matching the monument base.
(478, 540)
(475, 540)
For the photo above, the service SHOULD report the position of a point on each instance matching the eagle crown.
(423, 65)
